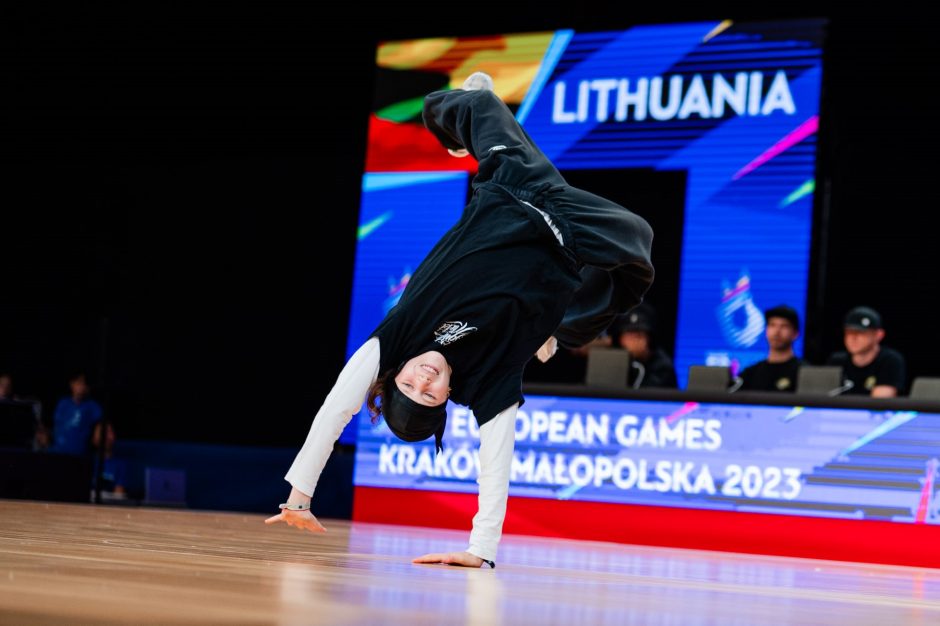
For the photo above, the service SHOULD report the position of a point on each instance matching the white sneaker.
(478, 80)
(474, 82)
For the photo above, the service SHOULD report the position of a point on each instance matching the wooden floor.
(84, 564)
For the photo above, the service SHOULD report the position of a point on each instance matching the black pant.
(611, 244)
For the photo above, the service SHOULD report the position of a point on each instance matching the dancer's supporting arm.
(343, 401)
(497, 440)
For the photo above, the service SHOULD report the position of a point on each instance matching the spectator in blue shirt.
(114, 471)
(75, 417)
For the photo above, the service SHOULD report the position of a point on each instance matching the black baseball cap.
(410, 421)
(640, 318)
(863, 318)
(784, 312)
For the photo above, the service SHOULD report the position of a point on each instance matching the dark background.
(181, 189)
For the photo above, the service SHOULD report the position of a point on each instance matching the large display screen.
(707, 130)
(828, 462)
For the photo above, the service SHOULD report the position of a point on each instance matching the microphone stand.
(840, 390)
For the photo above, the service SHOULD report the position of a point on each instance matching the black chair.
(29, 475)
(821, 380)
(708, 378)
(607, 367)
(17, 424)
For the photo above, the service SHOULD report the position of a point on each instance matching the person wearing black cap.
(532, 263)
(871, 368)
(650, 365)
(779, 370)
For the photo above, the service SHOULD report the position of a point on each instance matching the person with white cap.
(531, 264)
(872, 369)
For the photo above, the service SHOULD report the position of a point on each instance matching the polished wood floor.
(84, 564)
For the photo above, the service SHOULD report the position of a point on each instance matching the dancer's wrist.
(298, 497)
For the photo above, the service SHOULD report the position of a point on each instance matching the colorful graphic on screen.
(824, 462)
(733, 106)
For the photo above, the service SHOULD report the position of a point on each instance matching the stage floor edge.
(868, 541)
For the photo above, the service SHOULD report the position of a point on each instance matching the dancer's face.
(425, 379)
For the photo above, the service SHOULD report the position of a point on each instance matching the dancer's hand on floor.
(301, 520)
(463, 559)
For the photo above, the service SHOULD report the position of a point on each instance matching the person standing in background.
(75, 417)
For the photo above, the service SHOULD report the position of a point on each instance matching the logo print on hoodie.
(449, 332)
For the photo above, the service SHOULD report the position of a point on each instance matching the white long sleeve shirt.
(497, 439)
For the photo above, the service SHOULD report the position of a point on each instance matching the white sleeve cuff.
(483, 553)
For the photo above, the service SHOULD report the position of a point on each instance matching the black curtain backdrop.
(181, 189)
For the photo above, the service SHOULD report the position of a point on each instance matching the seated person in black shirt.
(778, 371)
(633, 331)
(872, 368)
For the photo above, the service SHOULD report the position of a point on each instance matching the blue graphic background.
(733, 227)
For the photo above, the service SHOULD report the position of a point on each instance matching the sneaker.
(478, 80)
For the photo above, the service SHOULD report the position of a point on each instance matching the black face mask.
(411, 421)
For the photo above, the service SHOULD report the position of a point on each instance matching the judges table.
(846, 478)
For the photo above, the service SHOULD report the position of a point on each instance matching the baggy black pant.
(611, 244)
